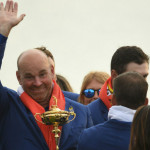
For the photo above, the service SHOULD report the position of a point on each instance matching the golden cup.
(56, 117)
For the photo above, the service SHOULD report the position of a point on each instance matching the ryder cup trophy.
(56, 117)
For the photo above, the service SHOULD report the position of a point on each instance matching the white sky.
(81, 34)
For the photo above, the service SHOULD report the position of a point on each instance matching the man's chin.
(37, 98)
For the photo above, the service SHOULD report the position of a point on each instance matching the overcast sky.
(81, 34)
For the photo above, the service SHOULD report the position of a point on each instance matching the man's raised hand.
(8, 17)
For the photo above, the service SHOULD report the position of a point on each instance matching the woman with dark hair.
(140, 130)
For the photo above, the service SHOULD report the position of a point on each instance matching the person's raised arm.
(8, 17)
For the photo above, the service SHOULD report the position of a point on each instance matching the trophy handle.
(37, 119)
(72, 114)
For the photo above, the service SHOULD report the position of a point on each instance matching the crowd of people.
(112, 111)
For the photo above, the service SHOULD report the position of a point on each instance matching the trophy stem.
(56, 131)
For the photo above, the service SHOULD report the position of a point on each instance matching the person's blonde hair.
(99, 76)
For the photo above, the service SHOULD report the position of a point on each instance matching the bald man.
(19, 129)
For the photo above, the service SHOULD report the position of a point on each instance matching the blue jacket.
(19, 130)
(99, 111)
(70, 95)
(111, 135)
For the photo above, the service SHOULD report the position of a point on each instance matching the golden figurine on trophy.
(56, 117)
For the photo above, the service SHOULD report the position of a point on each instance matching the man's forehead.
(31, 72)
(30, 54)
(143, 68)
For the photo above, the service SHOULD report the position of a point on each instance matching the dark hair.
(46, 51)
(130, 89)
(125, 55)
(63, 83)
(140, 130)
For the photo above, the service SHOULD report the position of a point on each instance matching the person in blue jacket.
(20, 127)
(126, 58)
(130, 90)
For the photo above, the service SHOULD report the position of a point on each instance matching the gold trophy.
(56, 117)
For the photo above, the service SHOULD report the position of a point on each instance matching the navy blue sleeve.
(3, 93)
(99, 111)
(83, 141)
(3, 40)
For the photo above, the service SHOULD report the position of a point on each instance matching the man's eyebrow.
(27, 74)
(145, 75)
(42, 71)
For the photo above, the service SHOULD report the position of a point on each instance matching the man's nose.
(37, 81)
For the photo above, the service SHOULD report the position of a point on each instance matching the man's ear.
(146, 101)
(53, 72)
(114, 74)
(113, 100)
(18, 77)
